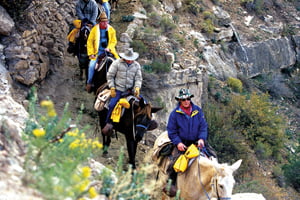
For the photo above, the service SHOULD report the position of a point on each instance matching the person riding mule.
(186, 126)
(124, 75)
(87, 9)
(203, 178)
(77, 44)
(101, 41)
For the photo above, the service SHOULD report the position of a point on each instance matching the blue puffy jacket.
(182, 128)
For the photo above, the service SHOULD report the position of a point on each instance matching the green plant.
(235, 84)
(57, 156)
(208, 26)
(291, 169)
(179, 38)
(250, 186)
(166, 24)
(57, 153)
(259, 121)
(208, 15)
(149, 4)
(288, 30)
(139, 46)
(159, 66)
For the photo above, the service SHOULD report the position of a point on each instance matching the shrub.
(57, 153)
(208, 26)
(56, 160)
(167, 24)
(235, 84)
(149, 4)
(291, 170)
(139, 46)
(257, 119)
(159, 66)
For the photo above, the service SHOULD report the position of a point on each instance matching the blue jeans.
(91, 72)
(112, 103)
(106, 6)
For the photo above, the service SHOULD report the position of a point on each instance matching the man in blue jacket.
(186, 126)
(87, 9)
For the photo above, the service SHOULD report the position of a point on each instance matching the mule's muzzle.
(152, 125)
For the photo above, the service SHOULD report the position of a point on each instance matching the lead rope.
(133, 129)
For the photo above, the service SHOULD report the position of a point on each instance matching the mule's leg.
(131, 149)
(105, 139)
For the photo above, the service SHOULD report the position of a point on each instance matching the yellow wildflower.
(51, 112)
(47, 104)
(86, 172)
(97, 144)
(72, 133)
(39, 132)
(83, 185)
(74, 144)
(92, 192)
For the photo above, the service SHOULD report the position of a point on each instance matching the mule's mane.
(144, 111)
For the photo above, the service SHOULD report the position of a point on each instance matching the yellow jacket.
(73, 34)
(94, 38)
(116, 113)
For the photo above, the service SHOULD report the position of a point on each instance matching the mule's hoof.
(108, 129)
(170, 191)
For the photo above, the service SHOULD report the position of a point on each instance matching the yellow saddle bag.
(192, 151)
(182, 162)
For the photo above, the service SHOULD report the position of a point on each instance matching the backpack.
(102, 98)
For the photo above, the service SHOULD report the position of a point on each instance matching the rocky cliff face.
(241, 44)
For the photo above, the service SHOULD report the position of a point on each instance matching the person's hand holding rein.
(181, 147)
(200, 143)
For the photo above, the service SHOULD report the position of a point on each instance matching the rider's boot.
(88, 88)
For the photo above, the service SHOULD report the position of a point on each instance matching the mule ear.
(142, 102)
(155, 109)
(236, 165)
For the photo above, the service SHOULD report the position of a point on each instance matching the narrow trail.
(64, 86)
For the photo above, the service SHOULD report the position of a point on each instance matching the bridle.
(214, 185)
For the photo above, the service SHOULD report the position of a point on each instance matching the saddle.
(104, 60)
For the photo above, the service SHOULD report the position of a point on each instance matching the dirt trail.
(63, 86)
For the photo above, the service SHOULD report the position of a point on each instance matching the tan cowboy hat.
(103, 17)
(129, 54)
(184, 94)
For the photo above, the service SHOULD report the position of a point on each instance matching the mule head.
(223, 182)
(143, 119)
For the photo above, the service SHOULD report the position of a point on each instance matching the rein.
(199, 174)
(133, 128)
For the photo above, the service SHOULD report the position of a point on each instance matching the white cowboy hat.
(129, 54)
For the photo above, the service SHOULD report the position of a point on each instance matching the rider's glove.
(137, 92)
(113, 92)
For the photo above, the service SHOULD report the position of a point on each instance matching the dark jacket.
(183, 128)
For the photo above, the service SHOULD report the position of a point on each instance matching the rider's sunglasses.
(187, 99)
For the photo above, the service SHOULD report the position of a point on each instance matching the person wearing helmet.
(186, 126)
(101, 41)
(87, 10)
